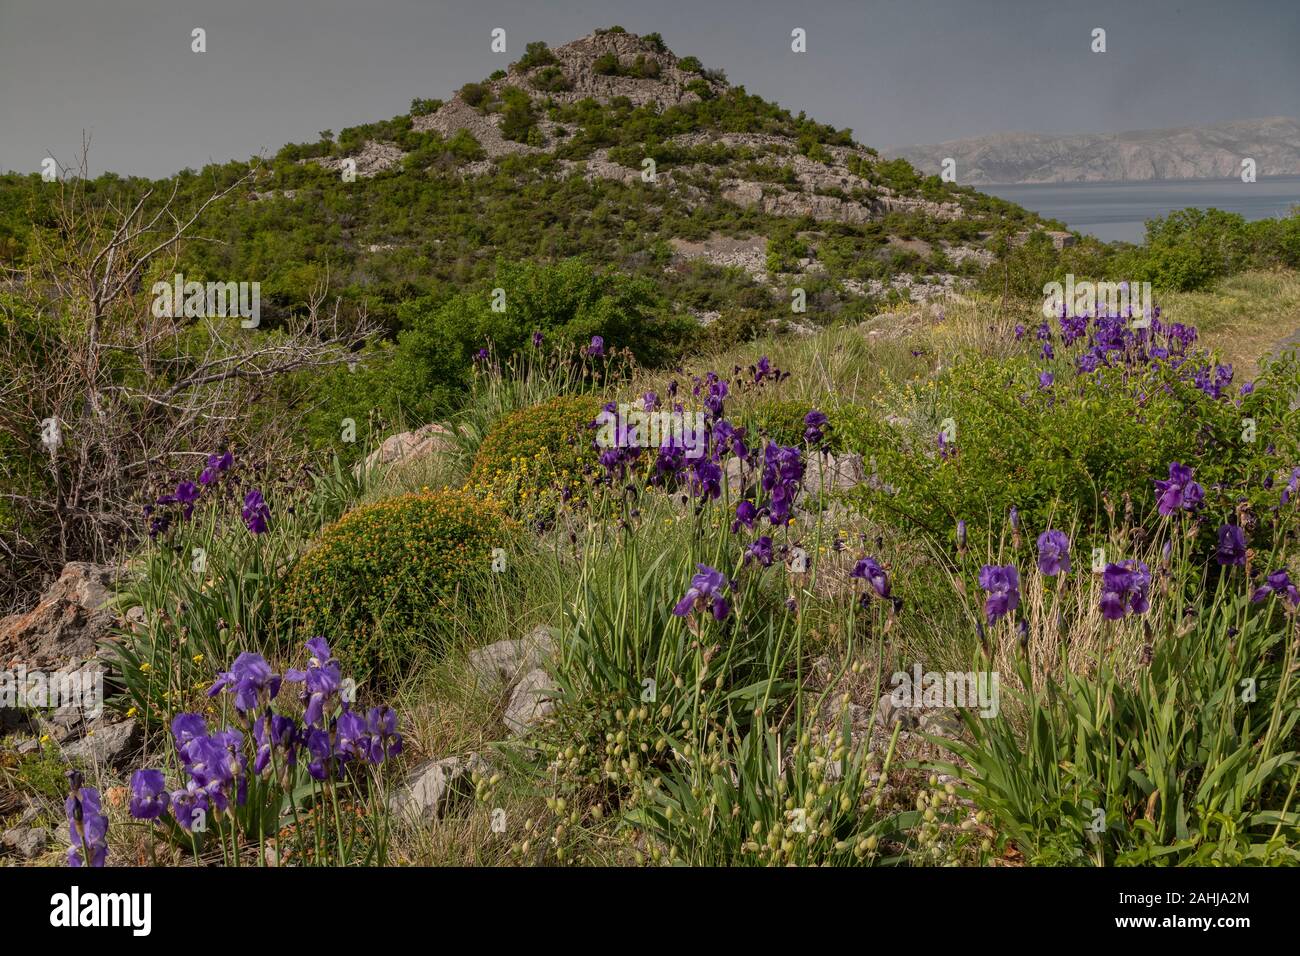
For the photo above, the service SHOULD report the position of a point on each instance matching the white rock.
(506, 661)
(409, 446)
(827, 473)
(530, 703)
(432, 787)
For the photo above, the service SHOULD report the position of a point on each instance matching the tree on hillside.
(109, 389)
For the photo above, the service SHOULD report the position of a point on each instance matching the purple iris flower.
(1002, 582)
(961, 534)
(283, 738)
(706, 479)
(149, 797)
(1292, 487)
(814, 422)
(385, 740)
(1053, 553)
(351, 737)
(1279, 583)
(746, 514)
(760, 551)
(783, 470)
(1179, 492)
(217, 465)
(1125, 588)
(1073, 328)
(256, 512)
(321, 681)
(781, 510)
(187, 728)
(782, 474)
(208, 763)
(669, 464)
(87, 826)
(322, 754)
(1231, 548)
(597, 347)
(1045, 380)
(537, 340)
(727, 437)
(159, 523)
(235, 770)
(649, 401)
(869, 570)
(714, 401)
(706, 590)
(371, 739)
(189, 803)
(252, 679)
(187, 493)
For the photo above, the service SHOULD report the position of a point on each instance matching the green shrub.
(536, 54)
(1046, 449)
(519, 120)
(550, 79)
(568, 302)
(606, 65)
(644, 67)
(474, 94)
(392, 578)
(700, 88)
(531, 457)
(690, 64)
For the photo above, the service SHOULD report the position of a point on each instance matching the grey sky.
(896, 71)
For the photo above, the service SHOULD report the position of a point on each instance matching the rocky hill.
(1192, 152)
(593, 113)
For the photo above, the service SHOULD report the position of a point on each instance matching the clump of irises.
(262, 749)
(1107, 340)
(163, 512)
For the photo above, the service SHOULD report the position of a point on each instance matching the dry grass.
(1244, 318)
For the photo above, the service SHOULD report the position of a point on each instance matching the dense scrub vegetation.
(723, 641)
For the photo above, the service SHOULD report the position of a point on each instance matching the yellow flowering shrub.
(392, 575)
(531, 457)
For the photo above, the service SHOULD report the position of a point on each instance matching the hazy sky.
(895, 71)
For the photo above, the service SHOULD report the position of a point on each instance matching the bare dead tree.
(99, 393)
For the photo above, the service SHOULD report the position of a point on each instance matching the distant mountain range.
(1188, 152)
